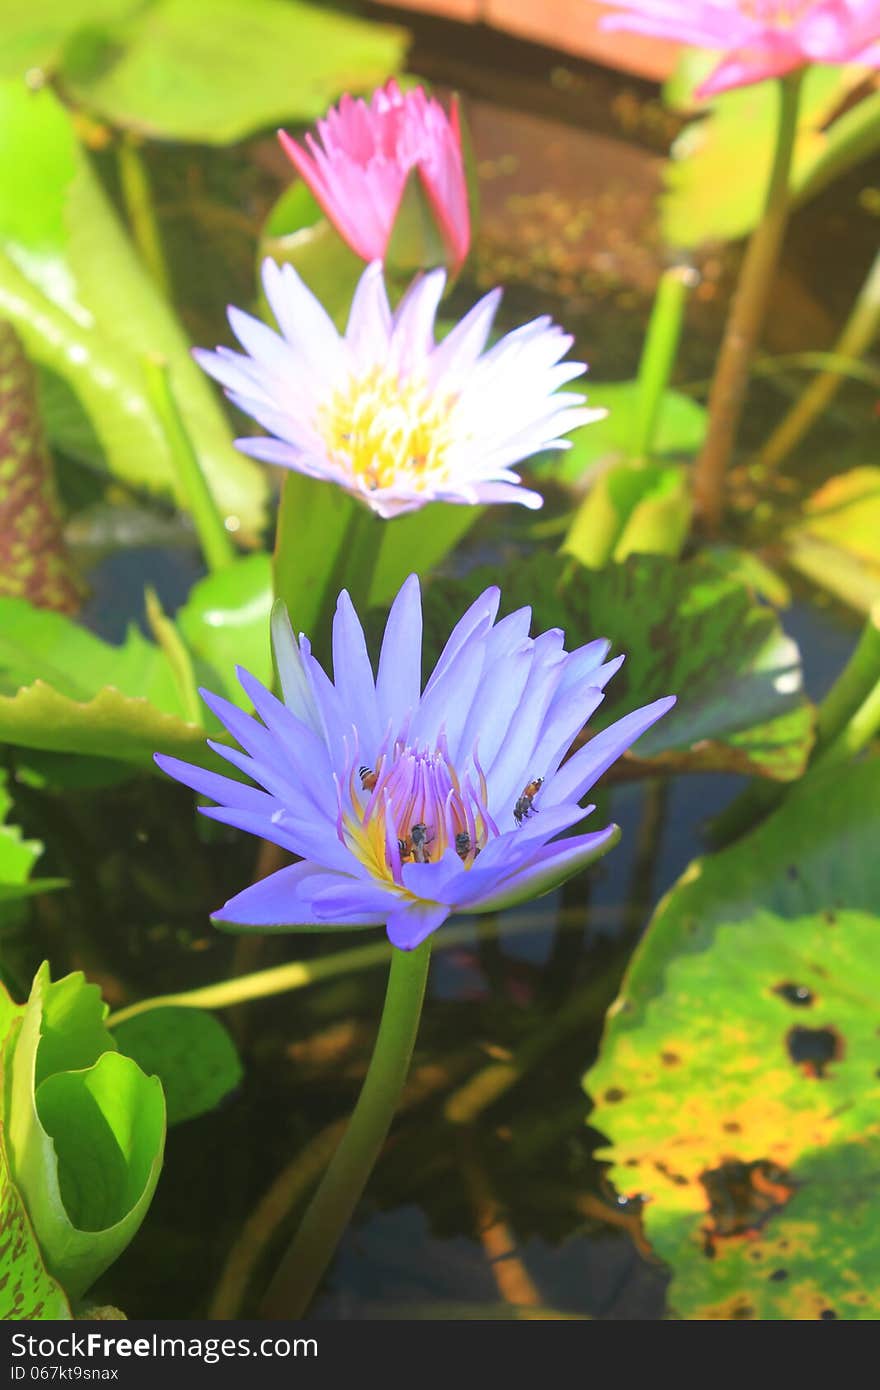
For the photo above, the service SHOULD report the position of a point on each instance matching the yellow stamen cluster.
(387, 428)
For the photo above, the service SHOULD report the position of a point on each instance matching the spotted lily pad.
(687, 629)
(27, 1292)
(738, 1083)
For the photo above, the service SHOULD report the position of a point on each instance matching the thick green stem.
(659, 354)
(332, 1206)
(746, 316)
(217, 548)
(862, 327)
(137, 196)
(351, 569)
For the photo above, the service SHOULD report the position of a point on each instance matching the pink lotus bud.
(364, 153)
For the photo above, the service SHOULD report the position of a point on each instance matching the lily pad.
(35, 32)
(17, 858)
(179, 71)
(189, 1050)
(716, 180)
(681, 427)
(86, 309)
(737, 1082)
(88, 696)
(688, 630)
(225, 622)
(837, 544)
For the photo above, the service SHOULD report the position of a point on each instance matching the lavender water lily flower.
(408, 805)
(386, 412)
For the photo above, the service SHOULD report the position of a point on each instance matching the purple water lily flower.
(408, 805)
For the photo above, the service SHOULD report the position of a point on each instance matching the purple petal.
(556, 863)
(399, 682)
(280, 902)
(588, 764)
(408, 927)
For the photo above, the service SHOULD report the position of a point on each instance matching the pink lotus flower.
(759, 38)
(358, 167)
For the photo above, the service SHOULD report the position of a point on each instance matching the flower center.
(411, 808)
(383, 429)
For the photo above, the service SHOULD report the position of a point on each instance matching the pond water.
(456, 1216)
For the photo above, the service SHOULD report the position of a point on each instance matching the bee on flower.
(442, 829)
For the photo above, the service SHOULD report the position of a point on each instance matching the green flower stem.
(332, 1206)
(862, 327)
(300, 974)
(168, 638)
(853, 685)
(217, 548)
(352, 568)
(136, 194)
(659, 354)
(746, 316)
(845, 723)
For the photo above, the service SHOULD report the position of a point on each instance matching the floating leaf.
(189, 1050)
(686, 629)
(717, 177)
(64, 690)
(225, 622)
(17, 858)
(631, 509)
(27, 1292)
(178, 72)
(737, 1082)
(35, 32)
(837, 544)
(681, 426)
(297, 233)
(85, 1127)
(85, 308)
(110, 725)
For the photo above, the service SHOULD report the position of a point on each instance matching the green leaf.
(35, 32)
(110, 725)
(87, 310)
(687, 630)
(225, 622)
(297, 233)
(417, 542)
(189, 1050)
(17, 858)
(179, 71)
(681, 426)
(837, 544)
(86, 1130)
(65, 691)
(27, 1292)
(737, 1082)
(631, 508)
(717, 177)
